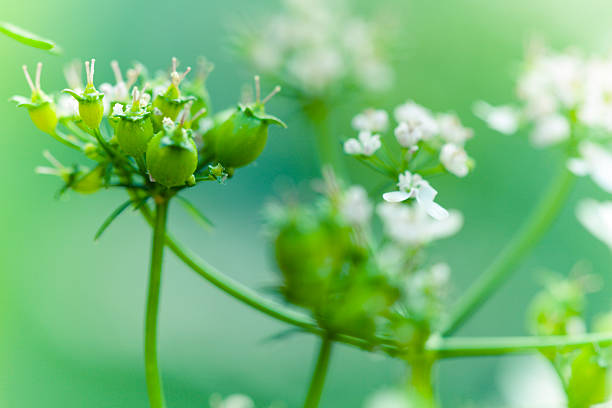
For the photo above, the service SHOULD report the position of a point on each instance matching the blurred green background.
(71, 310)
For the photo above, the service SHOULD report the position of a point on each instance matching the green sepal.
(258, 113)
(142, 114)
(23, 102)
(181, 142)
(73, 94)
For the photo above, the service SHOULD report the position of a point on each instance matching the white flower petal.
(396, 196)
(352, 147)
(425, 195)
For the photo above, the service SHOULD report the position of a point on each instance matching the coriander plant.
(353, 264)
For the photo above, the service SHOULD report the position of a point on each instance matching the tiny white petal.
(396, 196)
(353, 147)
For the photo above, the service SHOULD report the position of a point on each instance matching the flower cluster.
(331, 265)
(565, 99)
(154, 136)
(429, 144)
(317, 48)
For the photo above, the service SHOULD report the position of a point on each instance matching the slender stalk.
(320, 372)
(527, 237)
(494, 346)
(327, 144)
(420, 380)
(154, 382)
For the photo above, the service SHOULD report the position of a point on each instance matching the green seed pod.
(40, 107)
(172, 156)
(170, 103)
(134, 128)
(242, 137)
(91, 107)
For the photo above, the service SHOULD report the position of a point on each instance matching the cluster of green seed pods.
(158, 129)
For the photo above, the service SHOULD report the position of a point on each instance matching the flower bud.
(170, 103)
(241, 138)
(172, 155)
(40, 107)
(91, 106)
(134, 128)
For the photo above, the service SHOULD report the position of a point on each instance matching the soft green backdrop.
(71, 310)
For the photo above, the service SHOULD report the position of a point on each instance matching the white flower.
(355, 206)
(414, 186)
(389, 399)
(530, 381)
(412, 113)
(118, 109)
(455, 159)
(408, 134)
(410, 225)
(596, 107)
(366, 144)
(316, 70)
(551, 82)
(451, 129)
(503, 119)
(232, 401)
(596, 217)
(67, 106)
(371, 120)
(549, 130)
(594, 161)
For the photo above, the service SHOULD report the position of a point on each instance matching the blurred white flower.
(355, 206)
(596, 107)
(232, 401)
(451, 129)
(408, 134)
(596, 217)
(371, 120)
(366, 144)
(594, 161)
(319, 47)
(410, 225)
(551, 82)
(503, 119)
(120, 91)
(414, 186)
(426, 288)
(389, 399)
(530, 381)
(455, 159)
(414, 114)
(67, 106)
(549, 130)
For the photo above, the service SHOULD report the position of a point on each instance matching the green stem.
(420, 378)
(326, 143)
(154, 382)
(318, 376)
(440, 347)
(527, 237)
(494, 346)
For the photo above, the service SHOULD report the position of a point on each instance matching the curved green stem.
(318, 376)
(154, 382)
(527, 237)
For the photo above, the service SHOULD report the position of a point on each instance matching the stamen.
(38, 73)
(185, 113)
(87, 72)
(47, 155)
(135, 95)
(271, 94)
(28, 79)
(46, 170)
(93, 64)
(198, 114)
(174, 64)
(257, 89)
(116, 71)
(188, 70)
(133, 74)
